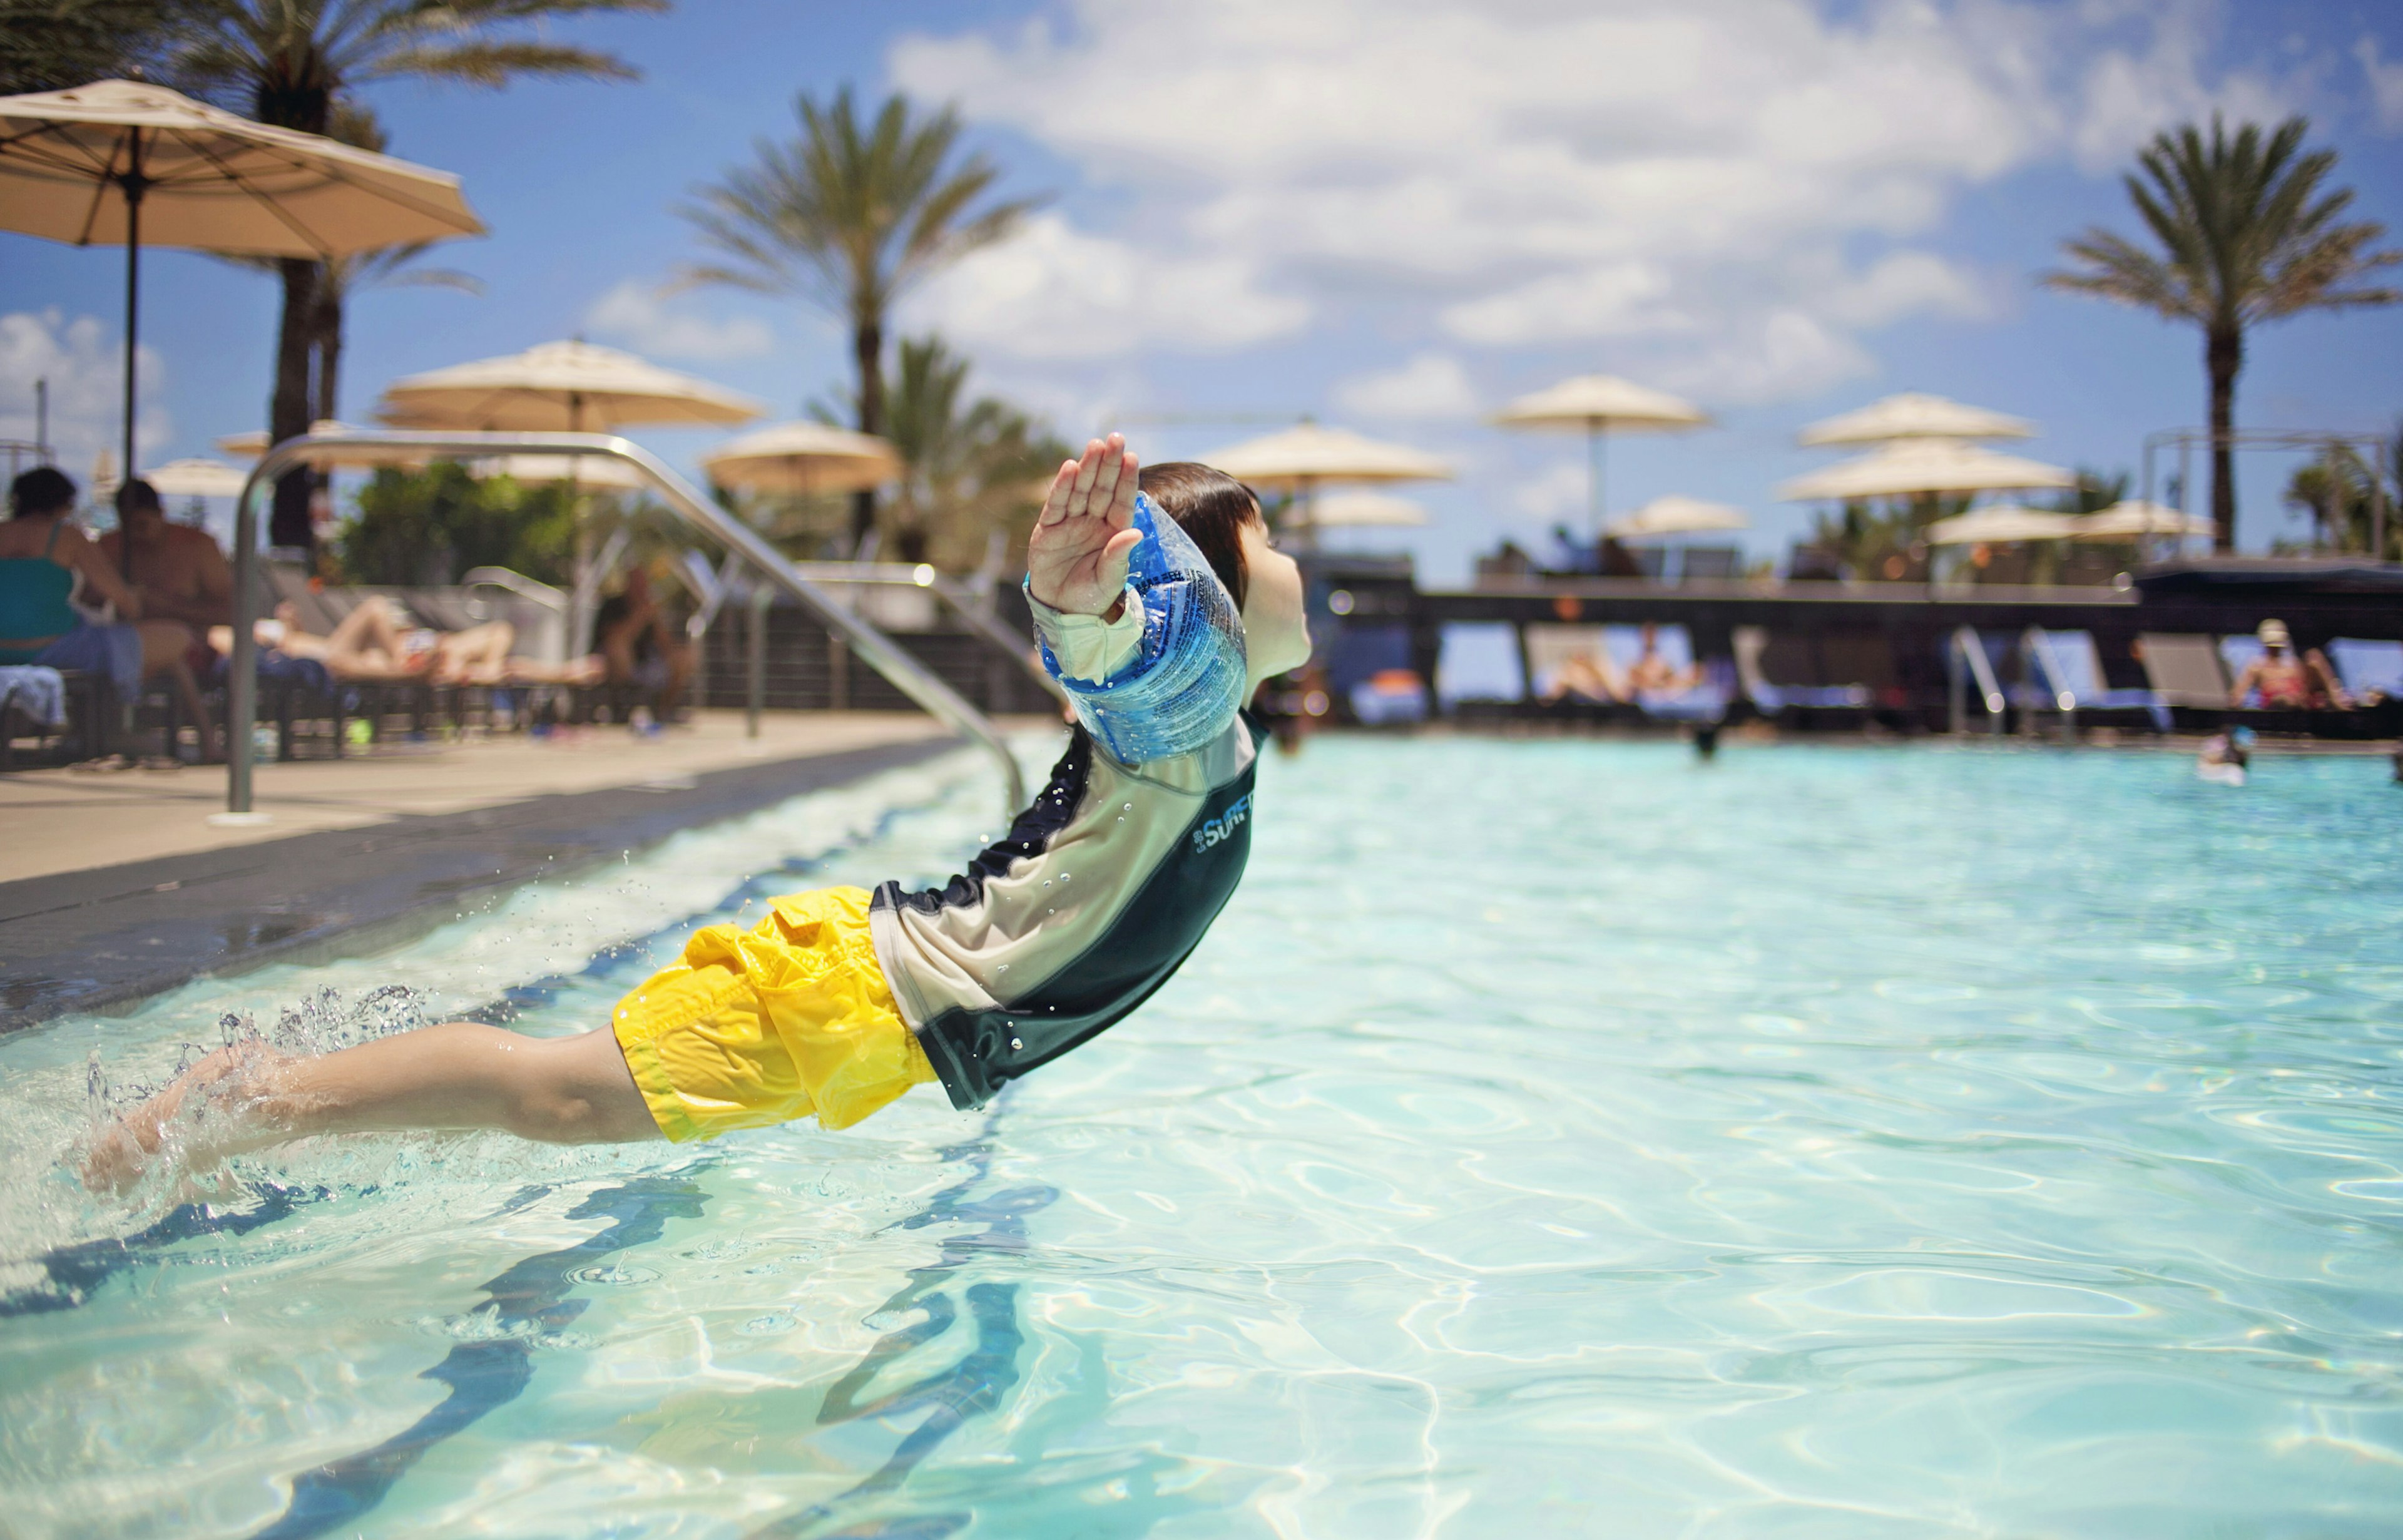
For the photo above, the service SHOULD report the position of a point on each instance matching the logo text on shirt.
(1223, 827)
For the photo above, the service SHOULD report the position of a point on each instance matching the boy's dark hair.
(1212, 507)
(45, 489)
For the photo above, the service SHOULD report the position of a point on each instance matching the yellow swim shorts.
(790, 1017)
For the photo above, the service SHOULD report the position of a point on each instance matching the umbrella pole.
(1593, 485)
(134, 187)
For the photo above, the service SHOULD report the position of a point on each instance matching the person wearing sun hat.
(2285, 682)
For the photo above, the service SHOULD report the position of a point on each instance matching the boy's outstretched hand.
(1076, 556)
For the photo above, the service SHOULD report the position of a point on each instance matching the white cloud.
(83, 361)
(1608, 301)
(1903, 283)
(639, 315)
(1053, 292)
(2130, 94)
(1707, 175)
(2385, 83)
(1789, 354)
(1433, 384)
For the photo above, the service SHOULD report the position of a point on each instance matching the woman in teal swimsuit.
(50, 572)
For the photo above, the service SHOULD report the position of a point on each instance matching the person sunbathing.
(373, 643)
(1160, 611)
(1653, 674)
(2285, 681)
(1587, 676)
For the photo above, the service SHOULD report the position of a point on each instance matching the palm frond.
(493, 64)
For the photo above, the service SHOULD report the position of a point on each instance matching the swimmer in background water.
(2226, 757)
(841, 1000)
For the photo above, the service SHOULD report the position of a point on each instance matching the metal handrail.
(881, 653)
(952, 591)
(518, 583)
(1968, 651)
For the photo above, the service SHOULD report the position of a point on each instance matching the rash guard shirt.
(1103, 887)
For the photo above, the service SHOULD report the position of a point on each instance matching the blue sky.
(1390, 214)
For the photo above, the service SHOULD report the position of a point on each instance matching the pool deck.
(113, 887)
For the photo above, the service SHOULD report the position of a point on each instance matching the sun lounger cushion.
(2184, 670)
(1479, 662)
(2368, 668)
(2064, 663)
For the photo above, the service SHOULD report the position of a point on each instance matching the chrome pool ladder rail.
(1965, 659)
(905, 673)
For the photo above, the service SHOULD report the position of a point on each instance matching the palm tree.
(847, 215)
(2247, 236)
(968, 467)
(50, 45)
(386, 267)
(290, 61)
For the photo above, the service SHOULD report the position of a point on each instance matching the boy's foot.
(119, 1154)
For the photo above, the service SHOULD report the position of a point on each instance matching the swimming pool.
(1554, 1137)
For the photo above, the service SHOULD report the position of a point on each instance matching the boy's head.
(45, 489)
(1222, 516)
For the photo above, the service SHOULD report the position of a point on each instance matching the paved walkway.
(63, 821)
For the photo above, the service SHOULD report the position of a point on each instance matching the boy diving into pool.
(1161, 606)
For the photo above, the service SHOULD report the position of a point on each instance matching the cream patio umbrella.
(253, 445)
(2136, 519)
(1918, 467)
(197, 479)
(1600, 405)
(123, 162)
(1360, 510)
(803, 458)
(1663, 517)
(1913, 415)
(1303, 458)
(2002, 524)
(573, 386)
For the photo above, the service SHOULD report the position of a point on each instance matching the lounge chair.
(2238, 653)
(1479, 661)
(2184, 670)
(2372, 672)
(1549, 649)
(2064, 673)
(1390, 696)
(1753, 644)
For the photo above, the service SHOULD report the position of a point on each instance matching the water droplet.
(1126, 807)
(1015, 1044)
(1046, 881)
(1005, 967)
(1064, 876)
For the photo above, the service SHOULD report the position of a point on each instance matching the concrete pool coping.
(388, 856)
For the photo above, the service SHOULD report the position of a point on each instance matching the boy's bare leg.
(460, 1075)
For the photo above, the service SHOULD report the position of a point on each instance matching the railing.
(1965, 657)
(881, 653)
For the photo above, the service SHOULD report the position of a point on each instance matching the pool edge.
(105, 938)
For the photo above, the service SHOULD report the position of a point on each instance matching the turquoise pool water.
(1553, 1138)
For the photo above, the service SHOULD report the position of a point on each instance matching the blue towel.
(39, 692)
